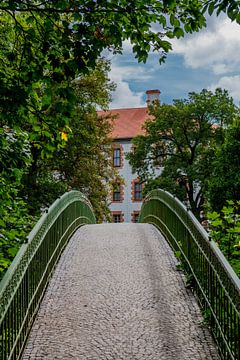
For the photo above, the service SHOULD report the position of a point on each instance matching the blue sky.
(207, 59)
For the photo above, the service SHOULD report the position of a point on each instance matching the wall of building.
(127, 207)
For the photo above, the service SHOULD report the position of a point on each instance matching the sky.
(203, 60)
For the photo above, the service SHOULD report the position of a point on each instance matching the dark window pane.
(117, 218)
(135, 217)
(137, 191)
(117, 193)
(116, 157)
(116, 196)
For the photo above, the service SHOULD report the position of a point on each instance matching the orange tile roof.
(128, 122)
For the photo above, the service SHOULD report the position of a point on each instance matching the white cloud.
(123, 97)
(207, 59)
(216, 47)
(124, 74)
(231, 83)
(133, 72)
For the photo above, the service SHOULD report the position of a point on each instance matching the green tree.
(83, 163)
(224, 184)
(14, 219)
(178, 141)
(48, 42)
(84, 28)
(45, 46)
(33, 97)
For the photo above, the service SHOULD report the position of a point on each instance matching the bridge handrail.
(24, 283)
(215, 283)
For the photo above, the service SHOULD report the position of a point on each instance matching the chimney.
(153, 96)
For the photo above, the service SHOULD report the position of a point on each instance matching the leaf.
(13, 251)
(178, 32)
(211, 8)
(178, 254)
(2, 223)
(172, 19)
(214, 215)
(216, 222)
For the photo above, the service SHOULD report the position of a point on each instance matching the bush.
(225, 231)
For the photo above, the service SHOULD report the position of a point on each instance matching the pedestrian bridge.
(117, 291)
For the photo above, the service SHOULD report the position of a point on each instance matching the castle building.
(126, 198)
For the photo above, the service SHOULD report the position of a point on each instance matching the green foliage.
(36, 110)
(230, 7)
(15, 223)
(33, 97)
(47, 189)
(83, 163)
(225, 231)
(72, 34)
(44, 48)
(224, 184)
(179, 142)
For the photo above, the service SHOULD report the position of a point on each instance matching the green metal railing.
(23, 286)
(215, 283)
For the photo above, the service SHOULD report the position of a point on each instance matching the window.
(117, 157)
(117, 192)
(137, 191)
(135, 216)
(117, 216)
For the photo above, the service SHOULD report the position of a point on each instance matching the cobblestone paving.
(116, 294)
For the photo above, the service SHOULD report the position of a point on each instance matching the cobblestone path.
(116, 294)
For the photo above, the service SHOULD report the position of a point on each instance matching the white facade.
(127, 206)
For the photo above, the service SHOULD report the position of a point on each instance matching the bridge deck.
(116, 294)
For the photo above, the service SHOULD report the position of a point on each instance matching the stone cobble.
(116, 294)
